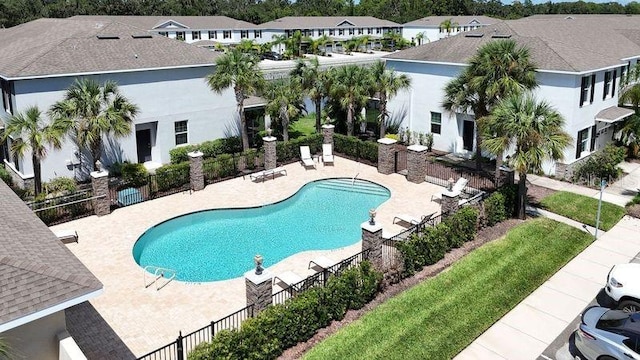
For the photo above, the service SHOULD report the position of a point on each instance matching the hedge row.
(171, 176)
(212, 148)
(355, 148)
(290, 150)
(281, 326)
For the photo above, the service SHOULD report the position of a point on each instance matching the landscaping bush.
(603, 165)
(5, 176)
(510, 193)
(179, 154)
(281, 326)
(115, 170)
(355, 148)
(60, 186)
(219, 167)
(250, 157)
(495, 209)
(290, 150)
(134, 175)
(209, 149)
(171, 176)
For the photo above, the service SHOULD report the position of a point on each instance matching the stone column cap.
(328, 126)
(387, 141)
(195, 154)
(269, 138)
(505, 168)
(449, 193)
(99, 174)
(258, 279)
(417, 148)
(371, 228)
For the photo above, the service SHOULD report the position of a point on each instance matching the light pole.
(603, 184)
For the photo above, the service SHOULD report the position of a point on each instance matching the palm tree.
(631, 128)
(294, 44)
(631, 95)
(240, 71)
(534, 129)
(96, 111)
(448, 25)
(33, 134)
(351, 87)
(315, 83)
(420, 37)
(285, 101)
(279, 40)
(387, 83)
(5, 350)
(499, 69)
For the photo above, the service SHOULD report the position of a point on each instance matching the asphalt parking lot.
(561, 348)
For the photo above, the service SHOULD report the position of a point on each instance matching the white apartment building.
(431, 28)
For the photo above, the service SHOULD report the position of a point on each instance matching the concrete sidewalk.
(527, 330)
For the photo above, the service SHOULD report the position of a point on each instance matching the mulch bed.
(535, 194)
(484, 236)
(634, 210)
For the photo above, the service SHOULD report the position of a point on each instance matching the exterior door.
(143, 143)
(467, 135)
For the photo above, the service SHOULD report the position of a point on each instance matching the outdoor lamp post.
(603, 184)
(372, 217)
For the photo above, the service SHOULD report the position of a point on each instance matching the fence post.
(180, 347)
(506, 176)
(386, 155)
(196, 175)
(327, 134)
(259, 288)
(100, 185)
(450, 203)
(270, 156)
(372, 241)
(416, 163)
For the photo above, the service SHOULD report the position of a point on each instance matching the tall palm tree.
(631, 95)
(534, 129)
(240, 71)
(96, 111)
(314, 83)
(279, 40)
(387, 83)
(448, 25)
(31, 133)
(351, 86)
(499, 69)
(294, 44)
(285, 100)
(420, 37)
(631, 127)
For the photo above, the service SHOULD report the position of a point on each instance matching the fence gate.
(400, 160)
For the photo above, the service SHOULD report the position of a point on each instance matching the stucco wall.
(37, 339)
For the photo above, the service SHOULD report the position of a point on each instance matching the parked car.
(606, 334)
(623, 286)
(272, 55)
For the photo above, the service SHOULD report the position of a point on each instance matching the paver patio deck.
(146, 319)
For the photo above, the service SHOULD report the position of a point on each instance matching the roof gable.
(170, 24)
(345, 23)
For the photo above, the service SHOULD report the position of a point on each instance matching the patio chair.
(288, 278)
(458, 186)
(66, 236)
(411, 219)
(327, 154)
(305, 157)
(322, 262)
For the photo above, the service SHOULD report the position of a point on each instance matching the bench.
(261, 175)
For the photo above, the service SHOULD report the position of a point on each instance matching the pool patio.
(145, 319)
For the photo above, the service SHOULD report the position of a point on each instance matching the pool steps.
(358, 186)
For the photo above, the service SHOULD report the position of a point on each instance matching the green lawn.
(441, 316)
(583, 209)
(304, 126)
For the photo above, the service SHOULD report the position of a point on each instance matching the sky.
(623, 2)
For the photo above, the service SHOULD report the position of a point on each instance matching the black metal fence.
(225, 167)
(439, 174)
(124, 193)
(400, 159)
(179, 349)
(64, 208)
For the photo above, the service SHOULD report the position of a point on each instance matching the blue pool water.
(220, 244)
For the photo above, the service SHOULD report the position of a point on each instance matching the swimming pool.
(220, 244)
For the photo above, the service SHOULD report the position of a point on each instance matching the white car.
(623, 286)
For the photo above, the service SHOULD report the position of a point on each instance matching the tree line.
(14, 12)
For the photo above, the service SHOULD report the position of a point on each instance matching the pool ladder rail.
(158, 273)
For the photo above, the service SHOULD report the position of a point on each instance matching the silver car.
(606, 334)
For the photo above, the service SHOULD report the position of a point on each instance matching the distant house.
(39, 279)
(165, 78)
(580, 61)
(203, 31)
(336, 28)
(431, 27)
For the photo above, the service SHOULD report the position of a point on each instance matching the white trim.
(48, 311)
(18, 172)
(425, 62)
(104, 72)
(169, 21)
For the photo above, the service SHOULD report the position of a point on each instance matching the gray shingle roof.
(577, 44)
(435, 21)
(60, 46)
(613, 114)
(37, 271)
(191, 22)
(324, 22)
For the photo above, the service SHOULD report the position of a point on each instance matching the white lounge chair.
(411, 219)
(305, 157)
(66, 236)
(261, 175)
(457, 187)
(322, 262)
(327, 153)
(288, 278)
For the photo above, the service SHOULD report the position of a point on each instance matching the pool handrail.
(158, 273)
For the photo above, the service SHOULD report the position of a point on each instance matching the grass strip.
(583, 209)
(441, 316)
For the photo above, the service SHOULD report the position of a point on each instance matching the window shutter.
(584, 84)
(579, 138)
(604, 85)
(593, 87)
(593, 138)
(613, 83)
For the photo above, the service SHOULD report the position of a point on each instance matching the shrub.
(392, 136)
(171, 176)
(115, 170)
(209, 149)
(602, 165)
(5, 176)
(290, 150)
(510, 193)
(250, 157)
(220, 167)
(179, 154)
(60, 186)
(495, 210)
(134, 175)
(353, 147)
(428, 141)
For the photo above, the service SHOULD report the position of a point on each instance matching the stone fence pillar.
(259, 288)
(507, 176)
(196, 175)
(416, 163)
(372, 240)
(100, 185)
(270, 156)
(386, 156)
(450, 203)
(327, 134)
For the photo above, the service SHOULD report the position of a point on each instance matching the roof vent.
(474, 35)
(569, 17)
(142, 36)
(108, 37)
(501, 36)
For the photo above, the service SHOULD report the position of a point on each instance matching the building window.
(587, 89)
(622, 74)
(320, 32)
(244, 34)
(195, 35)
(213, 34)
(369, 31)
(378, 30)
(180, 35)
(226, 34)
(436, 122)
(7, 90)
(163, 33)
(360, 31)
(181, 132)
(351, 31)
(340, 32)
(257, 34)
(332, 32)
(583, 141)
(606, 92)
